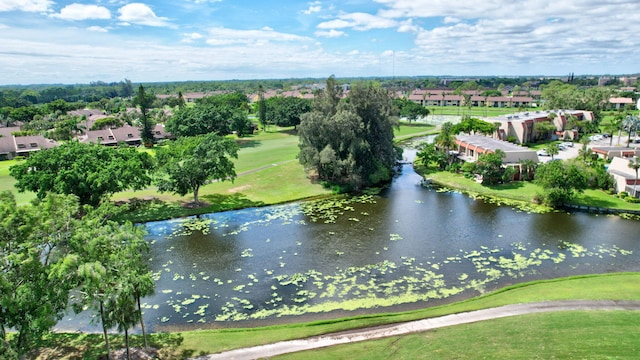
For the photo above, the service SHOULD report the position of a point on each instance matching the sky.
(62, 41)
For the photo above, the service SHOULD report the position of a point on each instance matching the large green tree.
(190, 162)
(350, 142)
(561, 181)
(286, 110)
(89, 171)
(33, 291)
(410, 110)
(207, 118)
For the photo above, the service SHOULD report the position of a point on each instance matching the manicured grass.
(518, 190)
(617, 286)
(479, 111)
(566, 335)
(409, 130)
(7, 182)
(525, 191)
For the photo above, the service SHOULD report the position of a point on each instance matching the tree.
(470, 125)
(429, 155)
(111, 270)
(552, 149)
(189, 162)
(89, 171)
(635, 165)
(410, 110)
(543, 129)
(349, 143)
(446, 139)
(33, 292)
(489, 166)
(528, 169)
(615, 125)
(144, 102)
(560, 181)
(631, 123)
(262, 108)
(207, 117)
(286, 111)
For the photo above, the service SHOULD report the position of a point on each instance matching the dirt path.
(284, 347)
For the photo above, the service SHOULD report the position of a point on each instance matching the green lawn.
(7, 182)
(524, 192)
(551, 328)
(475, 111)
(566, 335)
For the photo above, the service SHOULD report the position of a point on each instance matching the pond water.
(406, 248)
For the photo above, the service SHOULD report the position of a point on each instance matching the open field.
(563, 332)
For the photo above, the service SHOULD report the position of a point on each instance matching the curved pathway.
(315, 342)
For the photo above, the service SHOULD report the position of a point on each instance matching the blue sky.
(46, 41)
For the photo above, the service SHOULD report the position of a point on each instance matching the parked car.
(542, 152)
(567, 144)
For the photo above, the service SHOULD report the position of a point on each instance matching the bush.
(632, 200)
(623, 195)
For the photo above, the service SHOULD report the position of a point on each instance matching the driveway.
(285, 347)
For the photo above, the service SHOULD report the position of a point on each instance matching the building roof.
(621, 100)
(532, 115)
(489, 143)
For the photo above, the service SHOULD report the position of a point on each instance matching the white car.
(567, 144)
(542, 152)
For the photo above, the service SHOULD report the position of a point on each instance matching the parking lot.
(572, 152)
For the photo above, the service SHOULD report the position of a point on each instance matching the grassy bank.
(622, 286)
(522, 193)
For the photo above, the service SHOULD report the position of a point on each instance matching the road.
(316, 342)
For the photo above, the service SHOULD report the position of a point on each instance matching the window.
(111, 137)
(21, 146)
(34, 145)
(100, 138)
(129, 136)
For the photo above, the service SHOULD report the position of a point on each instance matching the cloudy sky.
(62, 41)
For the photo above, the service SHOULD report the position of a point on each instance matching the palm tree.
(630, 123)
(635, 165)
(615, 124)
(552, 149)
(446, 139)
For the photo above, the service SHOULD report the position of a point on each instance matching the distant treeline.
(15, 96)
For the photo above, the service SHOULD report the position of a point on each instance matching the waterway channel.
(408, 247)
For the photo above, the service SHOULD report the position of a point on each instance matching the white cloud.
(191, 37)
(83, 12)
(97, 29)
(141, 14)
(408, 26)
(314, 7)
(220, 36)
(358, 21)
(450, 20)
(26, 5)
(333, 33)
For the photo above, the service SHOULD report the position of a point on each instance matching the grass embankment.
(522, 192)
(547, 334)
